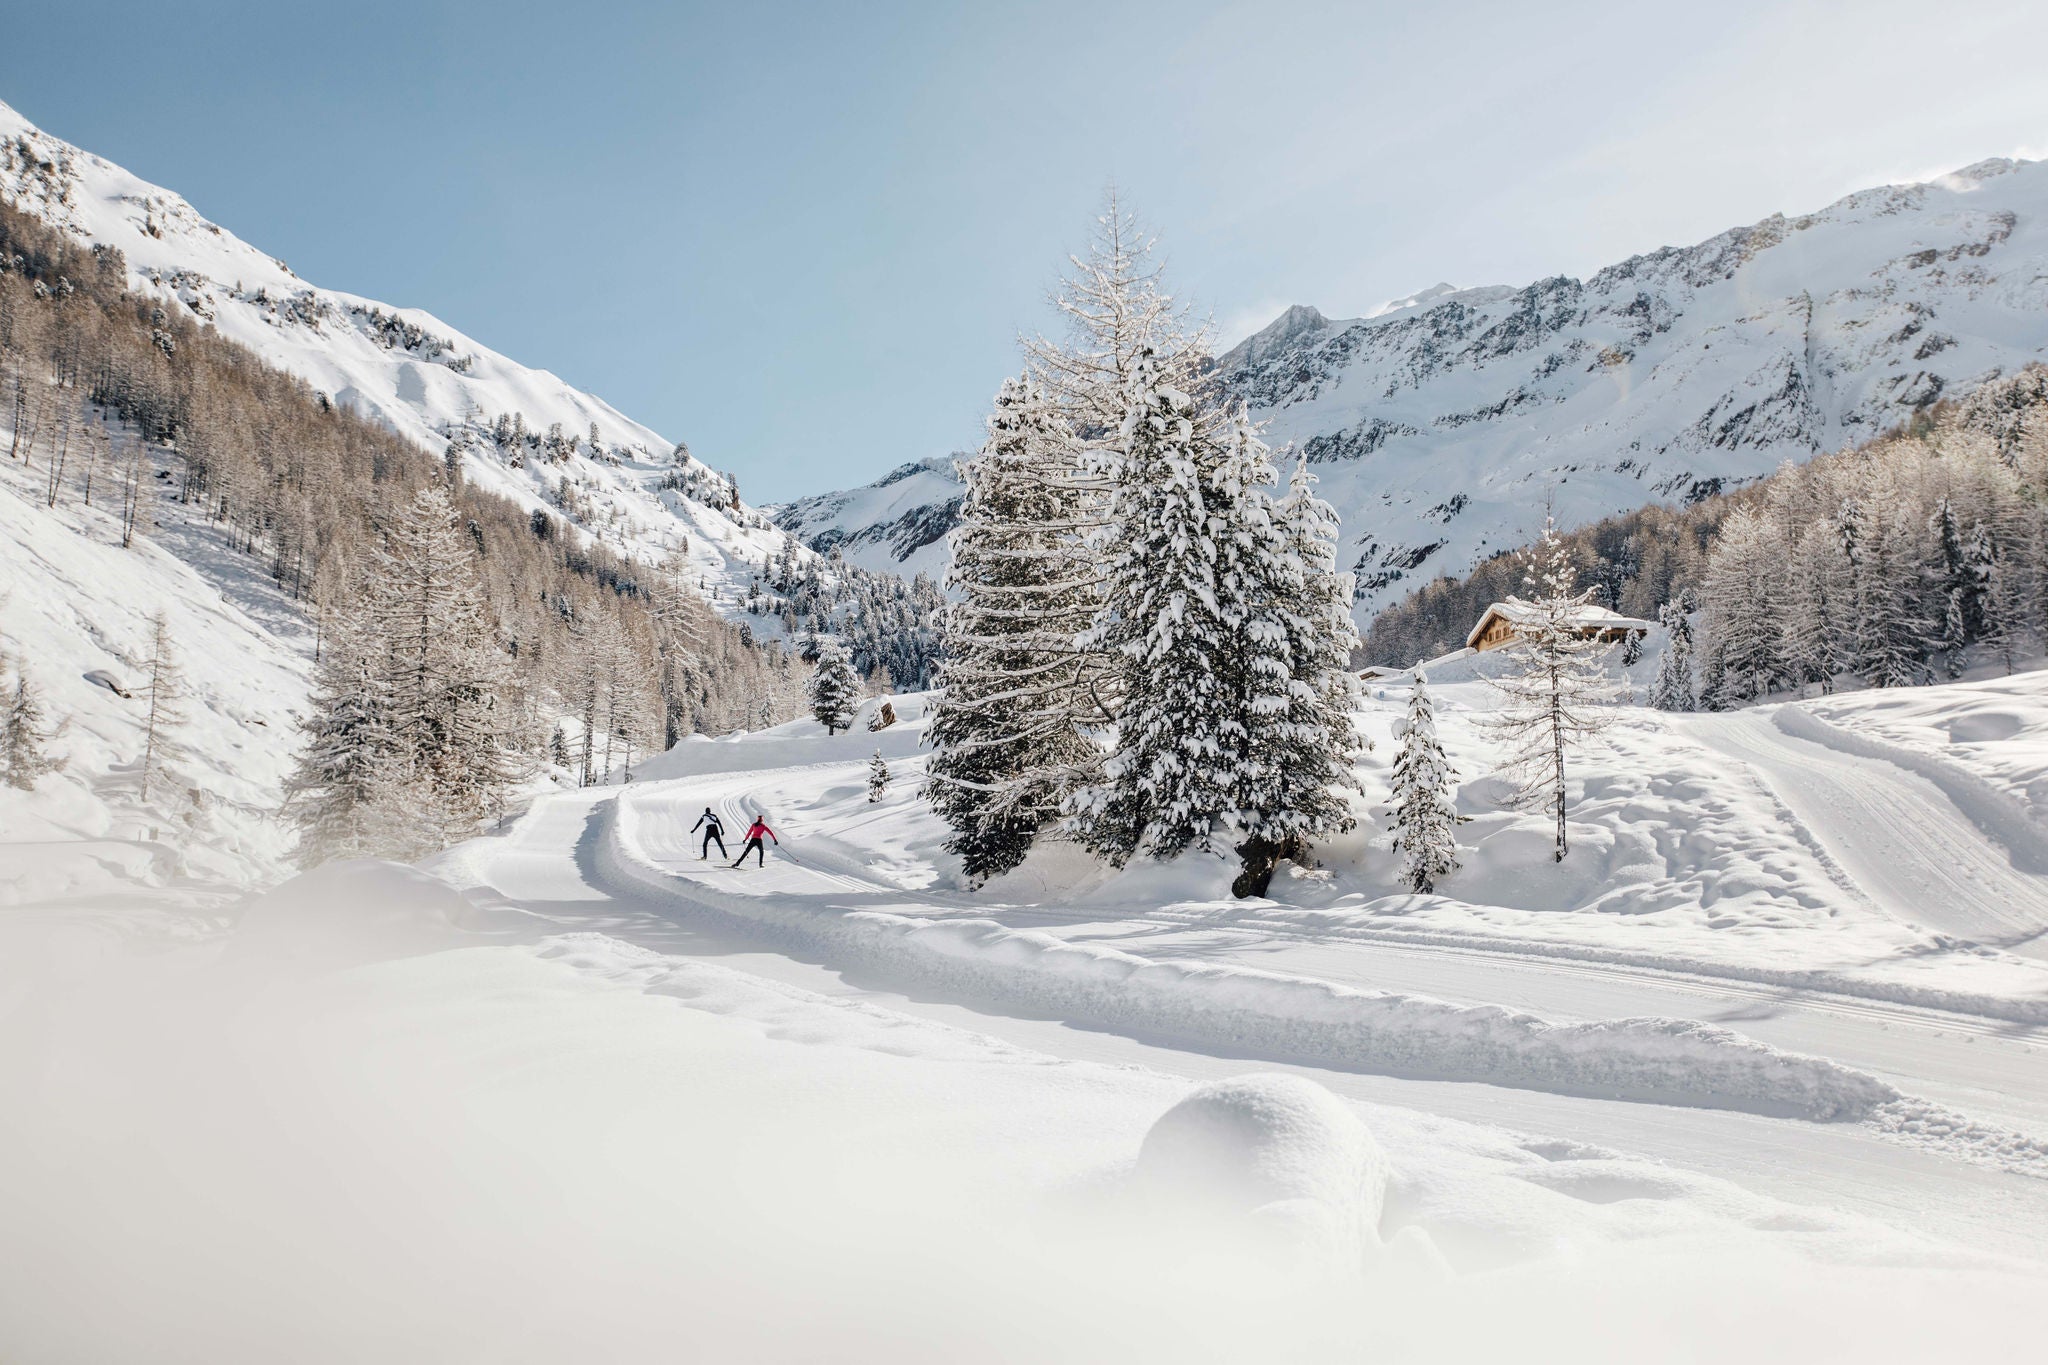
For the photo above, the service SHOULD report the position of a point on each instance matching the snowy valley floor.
(1761, 1070)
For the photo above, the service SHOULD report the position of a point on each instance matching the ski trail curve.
(1903, 842)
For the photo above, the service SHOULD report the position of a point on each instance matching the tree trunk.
(1260, 856)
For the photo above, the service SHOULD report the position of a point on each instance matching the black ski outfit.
(714, 832)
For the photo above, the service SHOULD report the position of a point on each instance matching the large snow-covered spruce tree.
(1555, 699)
(834, 690)
(1143, 636)
(1278, 580)
(1164, 787)
(1425, 814)
(1010, 731)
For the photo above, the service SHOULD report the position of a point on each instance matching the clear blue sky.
(803, 237)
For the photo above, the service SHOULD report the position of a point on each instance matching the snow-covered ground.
(1994, 730)
(384, 1119)
(571, 1093)
(1713, 943)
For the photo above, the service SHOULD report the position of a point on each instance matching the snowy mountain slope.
(897, 524)
(1440, 425)
(75, 611)
(627, 485)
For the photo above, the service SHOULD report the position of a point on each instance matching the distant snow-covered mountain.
(1442, 425)
(623, 483)
(897, 524)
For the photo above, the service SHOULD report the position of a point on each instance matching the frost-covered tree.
(24, 731)
(834, 691)
(878, 777)
(1278, 578)
(1672, 690)
(1893, 638)
(1820, 606)
(353, 791)
(165, 692)
(1425, 813)
(1555, 699)
(1010, 732)
(1117, 308)
(1745, 579)
(1164, 787)
(2005, 620)
(442, 669)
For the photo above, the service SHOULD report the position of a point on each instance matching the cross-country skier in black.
(754, 833)
(714, 832)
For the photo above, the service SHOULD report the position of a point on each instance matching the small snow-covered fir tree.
(23, 733)
(878, 777)
(1425, 813)
(1010, 731)
(1673, 688)
(1556, 699)
(165, 691)
(1164, 788)
(834, 691)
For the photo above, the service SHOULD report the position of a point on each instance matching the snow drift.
(1679, 1061)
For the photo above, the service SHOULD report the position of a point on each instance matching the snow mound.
(1279, 1151)
(349, 911)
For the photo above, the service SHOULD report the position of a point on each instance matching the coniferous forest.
(1902, 561)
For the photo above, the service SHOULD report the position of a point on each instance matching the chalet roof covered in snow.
(1499, 621)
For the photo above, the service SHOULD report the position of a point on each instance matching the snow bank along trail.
(643, 843)
(1916, 852)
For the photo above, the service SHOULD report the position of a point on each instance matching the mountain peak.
(1299, 320)
(1441, 289)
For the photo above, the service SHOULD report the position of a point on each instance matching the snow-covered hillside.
(75, 617)
(625, 484)
(1442, 424)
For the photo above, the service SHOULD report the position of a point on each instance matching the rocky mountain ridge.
(1442, 426)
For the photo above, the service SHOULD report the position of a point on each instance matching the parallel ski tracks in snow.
(1908, 849)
